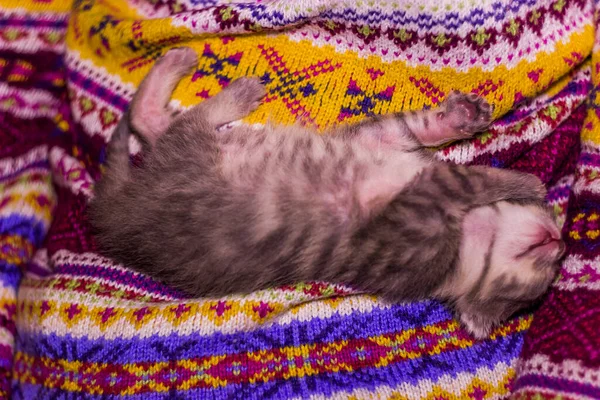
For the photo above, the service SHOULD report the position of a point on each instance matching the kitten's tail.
(117, 162)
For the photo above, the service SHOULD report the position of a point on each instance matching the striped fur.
(216, 212)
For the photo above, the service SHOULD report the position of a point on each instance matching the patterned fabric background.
(82, 327)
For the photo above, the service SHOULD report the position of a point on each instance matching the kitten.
(218, 212)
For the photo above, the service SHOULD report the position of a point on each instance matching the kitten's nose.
(546, 233)
(549, 241)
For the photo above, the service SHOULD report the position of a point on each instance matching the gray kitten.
(218, 212)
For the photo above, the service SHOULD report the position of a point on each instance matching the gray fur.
(294, 205)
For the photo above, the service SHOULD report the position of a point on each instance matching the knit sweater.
(74, 324)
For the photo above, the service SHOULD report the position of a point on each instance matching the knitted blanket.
(75, 325)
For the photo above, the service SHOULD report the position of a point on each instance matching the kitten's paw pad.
(181, 59)
(247, 92)
(467, 113)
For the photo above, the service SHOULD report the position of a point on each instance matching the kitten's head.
(509, 256)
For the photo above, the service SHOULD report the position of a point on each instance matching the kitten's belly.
(387, 178)
(331, 170)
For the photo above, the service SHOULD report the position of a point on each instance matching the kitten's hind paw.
(247, 92)
(181, 59)
(479, 327)
(466, 113)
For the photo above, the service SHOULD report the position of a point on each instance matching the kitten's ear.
(479, 326)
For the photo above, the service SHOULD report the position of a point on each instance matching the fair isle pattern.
(565, 370)
(579, 272)
(88, 328)
(61, 310)
(529, 31)
(255, 367)
(558, 198)
(26, 205)
(47, 35)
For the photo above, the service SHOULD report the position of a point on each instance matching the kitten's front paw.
(467, 113)
(247, 92)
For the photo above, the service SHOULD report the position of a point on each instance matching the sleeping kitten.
(218, 212)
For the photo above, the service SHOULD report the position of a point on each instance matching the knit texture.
(82, 327)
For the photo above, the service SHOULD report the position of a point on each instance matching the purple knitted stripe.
(451, 21)
(558, 384)
(573, 89)
(38, 270)
(97, 90)
(30, 22)
(587, 159)
(558, 193)
(6, 354)
(43, 164)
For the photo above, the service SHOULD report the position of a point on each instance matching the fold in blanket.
(80, 326)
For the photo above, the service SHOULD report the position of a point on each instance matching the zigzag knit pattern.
(81, 327)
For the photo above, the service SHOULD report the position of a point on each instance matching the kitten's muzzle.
(548, 248)
(549, 242)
